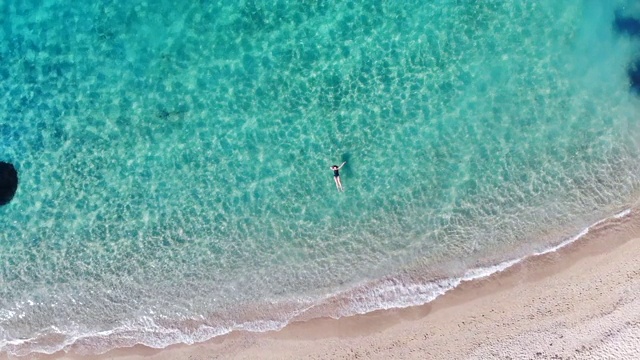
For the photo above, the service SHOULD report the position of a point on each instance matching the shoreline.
(450, 325)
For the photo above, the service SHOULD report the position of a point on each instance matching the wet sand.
(580, 302)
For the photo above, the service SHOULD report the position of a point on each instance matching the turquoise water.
(174, 156)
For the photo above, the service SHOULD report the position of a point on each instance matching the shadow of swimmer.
(346, 169)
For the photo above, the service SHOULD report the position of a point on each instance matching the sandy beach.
(580, 302)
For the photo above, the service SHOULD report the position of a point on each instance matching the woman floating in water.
(336, 175)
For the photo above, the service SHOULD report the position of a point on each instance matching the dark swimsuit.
(336, 173)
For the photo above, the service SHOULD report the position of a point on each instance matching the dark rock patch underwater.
(630, 26)
(8, 182)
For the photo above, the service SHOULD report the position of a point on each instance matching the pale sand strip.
(580, 302)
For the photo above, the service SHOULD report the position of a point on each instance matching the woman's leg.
(337, 180)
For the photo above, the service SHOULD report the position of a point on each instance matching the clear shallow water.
(174, 158)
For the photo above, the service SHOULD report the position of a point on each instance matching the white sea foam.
(392, 294)
(386, 294)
